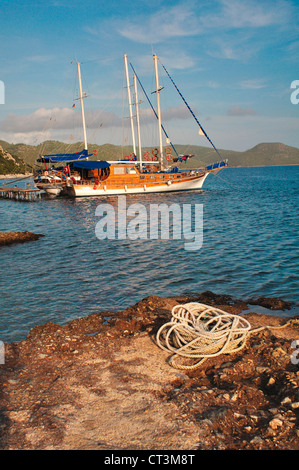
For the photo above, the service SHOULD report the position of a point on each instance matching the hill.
(264, 154)
(267, 154)
(10, 164)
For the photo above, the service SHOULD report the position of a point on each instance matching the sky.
(234, 62)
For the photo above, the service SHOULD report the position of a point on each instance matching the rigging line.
(95, 130)
(216, 175)
(191, 111)
(154, 111)
(19, 179)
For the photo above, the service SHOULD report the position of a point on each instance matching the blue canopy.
(91, 165)
(65, 157)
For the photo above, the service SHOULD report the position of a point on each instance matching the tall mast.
(159, 110)
(130, 103)
(82, 106)
(137, 121)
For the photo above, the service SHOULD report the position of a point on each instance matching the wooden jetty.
(20, 194)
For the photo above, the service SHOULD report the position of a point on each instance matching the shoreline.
(101, 382)
(28, 175)
(11, 176)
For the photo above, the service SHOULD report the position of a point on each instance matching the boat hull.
(51, 189)
(104, 190)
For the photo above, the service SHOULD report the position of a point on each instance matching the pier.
(20, 194)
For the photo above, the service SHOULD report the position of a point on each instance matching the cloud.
(239, 30)
(42, 121)
(182, 20)
(28, 138)
(237, 111)
(177, 61)
(177, 112)
(293, 51)
(228, 30)
(251, 14)
(40, 58)
(223, 49)
(178, 21)
(57, 118)
(242, 134)
(227, 132)
(171, 113)
(38, 121)
(253, 84)
(213, 84)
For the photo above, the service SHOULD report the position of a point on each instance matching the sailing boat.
(55, 181)
(155, 171)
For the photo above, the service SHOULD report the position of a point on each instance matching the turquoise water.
(250, 249)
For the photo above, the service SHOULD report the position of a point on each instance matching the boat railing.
(148, 178)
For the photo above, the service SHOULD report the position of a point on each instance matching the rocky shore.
(9, 238)
(101, 382)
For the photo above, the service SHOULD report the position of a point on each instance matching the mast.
(82, 106)
(153, 109)
(137, 121)
(130, 103)
(158, 89)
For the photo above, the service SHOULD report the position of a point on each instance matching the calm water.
(250, 248)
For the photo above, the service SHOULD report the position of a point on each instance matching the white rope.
(197, 332)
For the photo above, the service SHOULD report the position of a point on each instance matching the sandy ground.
(101, 382)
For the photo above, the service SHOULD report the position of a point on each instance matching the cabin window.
(178, 176)
(104, 173)
(119, 170)
(161, 176)
(152, 177)
(131, 171)
(142, 177)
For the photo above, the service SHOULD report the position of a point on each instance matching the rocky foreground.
(101, 382)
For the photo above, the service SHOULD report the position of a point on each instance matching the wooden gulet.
(152, 172)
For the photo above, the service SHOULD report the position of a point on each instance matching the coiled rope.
(197, 332)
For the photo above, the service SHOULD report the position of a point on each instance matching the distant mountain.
(264, 154)
(269, 154)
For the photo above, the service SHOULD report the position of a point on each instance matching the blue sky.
(233, 60)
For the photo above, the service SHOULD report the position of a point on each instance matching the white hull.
(52, 190)
(103, 190)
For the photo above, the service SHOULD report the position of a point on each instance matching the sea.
(247, 224)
